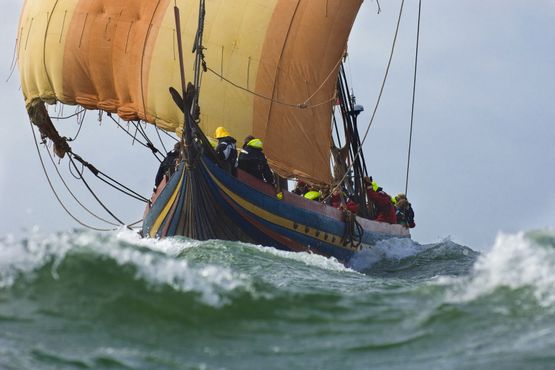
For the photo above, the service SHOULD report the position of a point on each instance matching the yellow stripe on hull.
(167, 207)
(278, 220)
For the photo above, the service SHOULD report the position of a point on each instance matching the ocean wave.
(405, 258)
(308, 259)
(153, 261)
(519, 262)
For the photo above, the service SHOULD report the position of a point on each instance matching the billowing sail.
(273, 66)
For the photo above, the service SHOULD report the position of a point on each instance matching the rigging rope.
(303, 105)
(353, 230)
(66, 117)
(149, 145)
(160, 138)
(93, 193)
(80, 119)
(98, 173)
(74, 196)
(359, 151)
(167, 134)
(413, 95)
(54, 190)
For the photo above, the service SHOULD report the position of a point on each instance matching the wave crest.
(520, 261)
(156, 262)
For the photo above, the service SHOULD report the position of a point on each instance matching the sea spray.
(524, 261)
(153, 261)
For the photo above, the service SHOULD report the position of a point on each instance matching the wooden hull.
(256, 215)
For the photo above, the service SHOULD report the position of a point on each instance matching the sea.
(88, 300)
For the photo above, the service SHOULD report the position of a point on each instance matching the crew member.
(301, 188)
(226, 148)
(385, 211)
(168, 165)
(253, 161)
(337, 199)
(405, 213)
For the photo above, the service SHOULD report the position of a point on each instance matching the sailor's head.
(221, 132)
(402, 204)
(255, 143)
(400, 196)
(247, 139)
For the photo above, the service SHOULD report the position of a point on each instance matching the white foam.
(309, 259)
(169, 246)
(20, 258)
(514, 262)
(156, 269)
(388, 249)
(163, 268)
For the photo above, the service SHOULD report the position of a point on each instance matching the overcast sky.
(483, 153)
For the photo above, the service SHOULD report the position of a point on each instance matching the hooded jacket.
(253, 161)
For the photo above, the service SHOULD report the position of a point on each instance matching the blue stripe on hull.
(253, 225)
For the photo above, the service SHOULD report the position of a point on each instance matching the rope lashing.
(352, 235)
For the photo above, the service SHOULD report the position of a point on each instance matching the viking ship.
(272, 69)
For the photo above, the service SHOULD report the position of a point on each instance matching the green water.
(82, 300)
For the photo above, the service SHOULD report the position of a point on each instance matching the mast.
(349, 114)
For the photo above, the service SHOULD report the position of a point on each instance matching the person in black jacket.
(168, 165)
(253, 161)
(226, 148)
(405, 213)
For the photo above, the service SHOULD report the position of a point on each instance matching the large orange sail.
(273, 66)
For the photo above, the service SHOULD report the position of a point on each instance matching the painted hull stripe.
(278, 220)
(167, 207)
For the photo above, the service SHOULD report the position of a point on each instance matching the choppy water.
(113, 301)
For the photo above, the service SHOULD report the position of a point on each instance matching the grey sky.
(483, 145)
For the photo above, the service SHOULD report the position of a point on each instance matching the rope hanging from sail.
(74, 196)
(56, 194)
(71, 116)
(93, 193)
(413, 95)
(303, 105)
(148, 144)
(108, 180)
(378, 101)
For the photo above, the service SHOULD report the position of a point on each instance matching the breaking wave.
(126, 302)
(522, 263)
(82, 255)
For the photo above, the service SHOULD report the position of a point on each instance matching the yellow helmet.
(255, 143)
(221, 132)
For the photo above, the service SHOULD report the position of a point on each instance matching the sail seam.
(143, 58)
(281, 60)
(49, 15)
